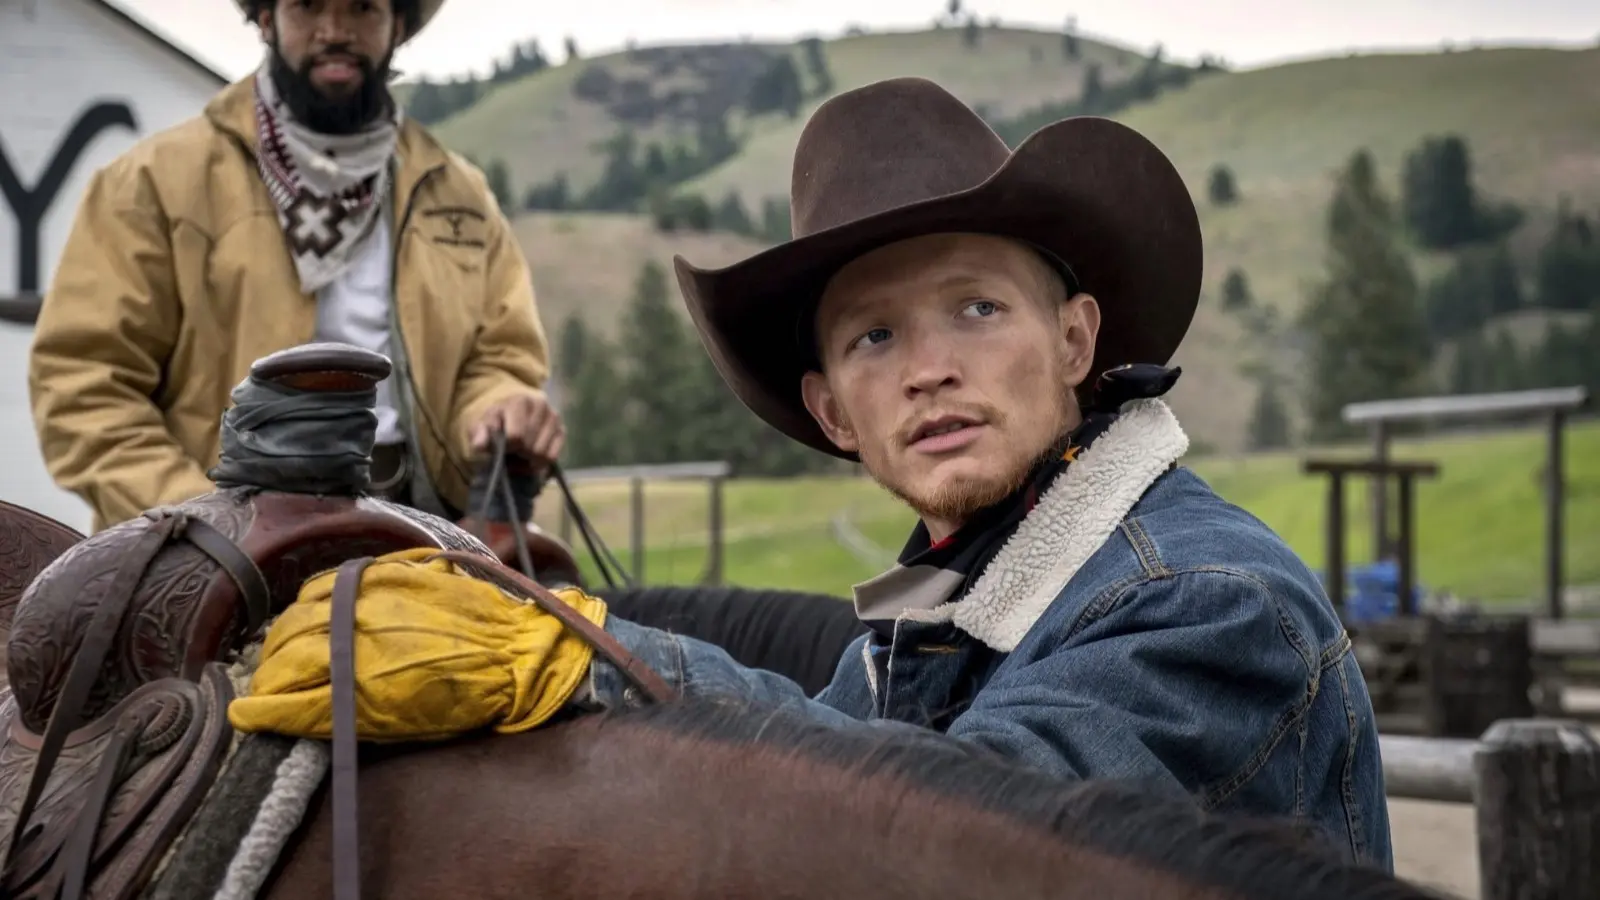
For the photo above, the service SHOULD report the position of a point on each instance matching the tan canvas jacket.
(176, 277)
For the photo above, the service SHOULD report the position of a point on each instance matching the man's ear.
(264, 23)
(824, 407)
(1080, 326)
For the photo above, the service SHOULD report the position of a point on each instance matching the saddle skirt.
(138, 772)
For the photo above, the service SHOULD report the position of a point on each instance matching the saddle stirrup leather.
(345, 764)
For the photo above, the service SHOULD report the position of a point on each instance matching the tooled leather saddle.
(115, 725)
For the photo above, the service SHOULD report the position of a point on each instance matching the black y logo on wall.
(29, 206)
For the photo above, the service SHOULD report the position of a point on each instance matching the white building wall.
(59, 61)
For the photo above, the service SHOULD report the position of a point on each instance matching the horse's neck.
(585, 810)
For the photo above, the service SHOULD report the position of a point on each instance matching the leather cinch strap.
(99, 635)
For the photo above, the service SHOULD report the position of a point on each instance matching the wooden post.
(1380, 492)
(713, 574)
(1335, 470)
(1553, 501)
(1538, 782)
(1335, 555)
(636, 527)
(1405, 546)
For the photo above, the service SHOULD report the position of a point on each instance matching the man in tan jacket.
(300, 206)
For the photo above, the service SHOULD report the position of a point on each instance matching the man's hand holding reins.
(533, 428)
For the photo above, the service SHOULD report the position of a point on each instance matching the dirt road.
(1436, 845)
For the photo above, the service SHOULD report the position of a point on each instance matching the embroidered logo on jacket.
(463, 226)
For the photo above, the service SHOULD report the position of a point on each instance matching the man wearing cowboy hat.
(300, 206)
(987, 332)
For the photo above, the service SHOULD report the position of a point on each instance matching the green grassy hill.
(1479, 525)
(540, 126)
(585, 264)
(1530, 116)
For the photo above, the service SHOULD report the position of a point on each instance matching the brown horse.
(712, 799)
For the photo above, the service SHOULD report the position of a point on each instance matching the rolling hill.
(540, 126)
(1531, 116)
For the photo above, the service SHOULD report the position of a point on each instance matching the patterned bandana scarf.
(930, 573)
(328, 188)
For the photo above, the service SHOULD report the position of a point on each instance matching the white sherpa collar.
(1072, 519)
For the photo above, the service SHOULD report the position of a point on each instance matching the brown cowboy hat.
(902, 158)
(426, 9)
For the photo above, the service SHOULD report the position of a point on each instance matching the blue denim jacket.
(1181, 641)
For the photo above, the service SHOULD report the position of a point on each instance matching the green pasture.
(1480, 523)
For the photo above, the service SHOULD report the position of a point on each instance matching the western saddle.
(115, 727)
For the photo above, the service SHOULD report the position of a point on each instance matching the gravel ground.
(1436, 845)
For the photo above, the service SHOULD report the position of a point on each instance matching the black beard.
(326, 115)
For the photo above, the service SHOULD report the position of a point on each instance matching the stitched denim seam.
(1352, 806)
(1336, 651)
(1107, 600)
(1143, 547)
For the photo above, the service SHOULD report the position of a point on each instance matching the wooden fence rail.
(1535, 785)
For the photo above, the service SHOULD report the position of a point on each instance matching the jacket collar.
(1073, 518)
(233, 111)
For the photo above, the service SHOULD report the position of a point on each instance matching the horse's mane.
(1159, 827)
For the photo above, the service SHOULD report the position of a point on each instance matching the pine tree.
(1093, 93)
(1505, 365)
(597, 434)
(775, 221)
(817, 62)
(971, 32)
(1569, 263)
(1269, 421)
(499, 179)
(657, 378)
(777, 89)
(731, 215)
(428, 103)
(1483, 283)
(1562, 359)
(1469, 372)
(1223, 188)
(1437, 195)
(572, 344)
(1369, 340)
(1236, 291)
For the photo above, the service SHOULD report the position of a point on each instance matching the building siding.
(79, 85)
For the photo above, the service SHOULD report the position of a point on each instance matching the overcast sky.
(468, 34)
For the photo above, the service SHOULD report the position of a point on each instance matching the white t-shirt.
(354, 309)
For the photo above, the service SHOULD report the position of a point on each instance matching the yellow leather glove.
(437, 653)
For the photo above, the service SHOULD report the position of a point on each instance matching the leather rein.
(165, 526)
